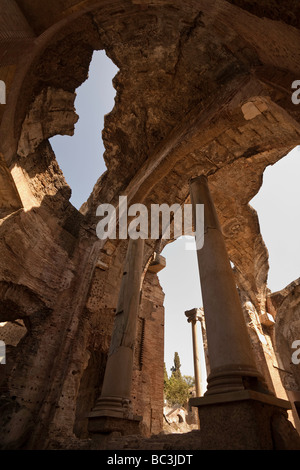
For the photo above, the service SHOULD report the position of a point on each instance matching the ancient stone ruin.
(204, 104)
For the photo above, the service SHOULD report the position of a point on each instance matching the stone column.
(237, 411)
(232, 365)
(193, 316)
(204, 341)
(113, 409)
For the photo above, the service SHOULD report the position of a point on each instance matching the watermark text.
(296, 94)
(136, 221)
(2, 92)
(2, 353)
(296, 354)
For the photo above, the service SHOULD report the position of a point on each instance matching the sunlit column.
(232, 365)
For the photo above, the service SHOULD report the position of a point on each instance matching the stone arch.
(286, 331)
(228, 118)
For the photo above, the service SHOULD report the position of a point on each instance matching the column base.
(109, 424)
(113, 414)
(245, 420)
(232, 378)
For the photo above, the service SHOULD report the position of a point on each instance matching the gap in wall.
(181, 285)
(278, 207)
(80, 156)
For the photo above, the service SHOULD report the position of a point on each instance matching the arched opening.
(11, 334)
(81, 156)
(277, 205)
(181, 285)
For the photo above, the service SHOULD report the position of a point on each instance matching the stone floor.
(176, 441)
(115, 441)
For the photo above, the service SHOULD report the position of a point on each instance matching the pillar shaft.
(193, 316)
(115, 397)
(232, 365)
(197, 368)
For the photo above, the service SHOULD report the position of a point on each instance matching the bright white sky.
(277, 204)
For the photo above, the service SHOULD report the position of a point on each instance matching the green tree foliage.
(176, 368)
(176, 387)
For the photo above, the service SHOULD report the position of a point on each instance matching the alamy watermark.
(296, 94)
(2, 352)
(136, 221)
(2, 92)
(296, 354)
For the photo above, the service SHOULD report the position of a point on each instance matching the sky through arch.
(80, 156)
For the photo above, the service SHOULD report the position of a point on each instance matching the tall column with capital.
(232, 365)
(114, 404)
(193, 316)
(237, 411)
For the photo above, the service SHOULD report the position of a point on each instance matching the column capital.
(200, 179)
(194, 314)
